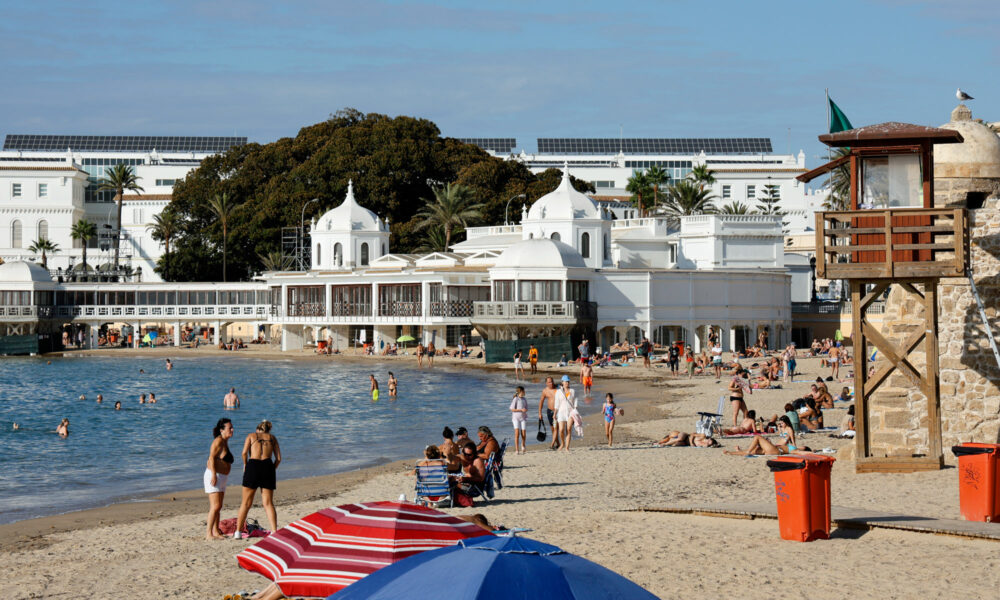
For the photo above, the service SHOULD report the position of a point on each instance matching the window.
(338, 256)
(751, 192)
(891, 181)
(43, 190)
(727, 191)
(319, 255)
(166, 182)
(603, 184)
(364, 254)
(43, 230)
(137, 216)
(540, 291)
(577, 290)
(503, 291)
(585, 245)
(15, 190)
(607, 248)
(15, 234)
(556, 237)
(672, 254)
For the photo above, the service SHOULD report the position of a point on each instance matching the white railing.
(26, 311)
(249, 312)
(519, 311)
(635, 223)
(474, 232)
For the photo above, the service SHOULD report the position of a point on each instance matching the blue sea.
(322, 413)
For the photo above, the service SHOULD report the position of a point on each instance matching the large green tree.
(686, 198)
(453, 207)
(163, 229)
(394, 162)
(44, 245)
(642, 192)
(657, 177)
(119, 179)
(83, 230)
(223, 210)
(702, 176)
(768, 199)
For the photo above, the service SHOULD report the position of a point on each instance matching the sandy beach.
(585, 501)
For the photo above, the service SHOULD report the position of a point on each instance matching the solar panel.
(121, 143)
(498, 145)
(654, 145)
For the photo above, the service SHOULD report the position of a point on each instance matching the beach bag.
(463, 499)
(540, 436)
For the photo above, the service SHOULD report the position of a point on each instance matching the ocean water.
(322, 413)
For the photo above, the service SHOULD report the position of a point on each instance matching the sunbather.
(810, 417)
(762, 445)
(679, 438)
(749, 425)
(674, 438)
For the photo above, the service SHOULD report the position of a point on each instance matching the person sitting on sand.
(449, 450)
(845, 395)
(749, 425)
(846, 429)
(762, 445)
(432, 458)
(62, 429)
(473, 466)
(810, 416)
(487, 443)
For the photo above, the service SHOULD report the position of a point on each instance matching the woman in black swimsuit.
(259, 472)
(220, 462)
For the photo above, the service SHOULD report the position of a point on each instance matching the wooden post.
(861, 437)
(932, 377)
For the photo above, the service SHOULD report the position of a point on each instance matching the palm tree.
(839, 183)
(702, 176)
(453, 206)
(434, 241)
(638, 185)
(83, 230)
(275, 261)
(44, 245)
(163, 228)
(118, 179)
(223, 210)
(736, 208)
(657, 178)
(687, 198)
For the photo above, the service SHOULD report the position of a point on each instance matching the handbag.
(540, 436)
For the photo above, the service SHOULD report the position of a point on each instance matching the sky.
(494, 69)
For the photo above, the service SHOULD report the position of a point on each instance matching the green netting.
(550, 349)
(18, 344)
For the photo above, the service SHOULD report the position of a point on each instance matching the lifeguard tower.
(892, 236)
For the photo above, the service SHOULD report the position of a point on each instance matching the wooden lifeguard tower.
(892, 236)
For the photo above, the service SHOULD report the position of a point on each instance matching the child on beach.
(392, 384)
(518, 367)
(587, 378)
(519, 417)
(374, 387)
(610, 410)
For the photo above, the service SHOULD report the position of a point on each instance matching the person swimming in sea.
(152, 398)
(231, 401)
(142, 398)
(63, 428)
(170, 365)
(118, 404)
(374, 387)
(16, 426)
(392, 384)
(100, 398)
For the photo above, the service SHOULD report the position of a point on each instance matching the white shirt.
(564, 404)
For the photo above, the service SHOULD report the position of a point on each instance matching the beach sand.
(584, 501)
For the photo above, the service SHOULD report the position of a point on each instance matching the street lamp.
(812, 268)
(505, 221)
(302, 234)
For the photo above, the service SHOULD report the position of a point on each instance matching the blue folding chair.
(432, 487)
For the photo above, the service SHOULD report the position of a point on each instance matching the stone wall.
(970, 396)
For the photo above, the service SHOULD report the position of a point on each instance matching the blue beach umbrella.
(494, 568)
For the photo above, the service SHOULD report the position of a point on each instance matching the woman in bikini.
(392, 384)
(736, 386)
(220, 462)
(749, 425)
(762, 445)
(259, 472)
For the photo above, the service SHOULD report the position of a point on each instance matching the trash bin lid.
(790, 462)
(971, 449)
(777, 466)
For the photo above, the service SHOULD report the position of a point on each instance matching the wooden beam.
(820, 252)
(887, 225)
(873, 295)
(879, 376)
(855, 180)
(960, 239)
(861, 436)
(887, 348)
(932, 375)
(897, 464)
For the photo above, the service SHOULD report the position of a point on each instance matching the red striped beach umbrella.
(331, 549)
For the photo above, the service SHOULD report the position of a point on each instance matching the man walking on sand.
(647, 349)
(834, 360)
(549, 401)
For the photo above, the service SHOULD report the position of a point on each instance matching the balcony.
(452, 308)
(892, 243)
(528, 312)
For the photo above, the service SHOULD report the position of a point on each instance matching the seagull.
(962, 95)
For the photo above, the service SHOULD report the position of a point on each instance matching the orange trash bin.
(802, 488)
(978, 479)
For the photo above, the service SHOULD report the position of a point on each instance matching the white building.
(49, 182)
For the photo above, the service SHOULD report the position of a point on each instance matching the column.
(217, 327)
(328, 290)
(691, 333)
(177, 333)
(94, 335)
(136, 334)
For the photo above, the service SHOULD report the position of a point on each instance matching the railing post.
(887, 225)
(820, 245)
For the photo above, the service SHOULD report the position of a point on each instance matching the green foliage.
(84, 231)
(44, 245)
(736, 208)
(394, 162)
(276, 261)
(656, 177)
(768, 200)
(119, 179)
(838, 182)
(223, 210)
(702, 176)
(687, 198)
(642, 192)
(453, 206)
(164, 227)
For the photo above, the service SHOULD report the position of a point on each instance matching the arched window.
(364, 254)
(585, 245)
(338, 256)
(555, 236)
(15, 234)
(43, 229)
(319, 255)
(607, 248)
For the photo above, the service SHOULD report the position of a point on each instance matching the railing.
(39, 312)
(233, 311)
(474, 232)
(530, 311)
(307, 309)
(644, 222)
(400, 309)
(452, 308)
(344, 309)
(892, 243)
(834, 308)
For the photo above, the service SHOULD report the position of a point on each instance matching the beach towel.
(577, 422)
(251, 529)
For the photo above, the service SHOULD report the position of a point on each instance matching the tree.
(686, 198)
(163, 228)
(657, 178)
(44, 245)
(453, 206)
(639, 186)
(276, 261)
(83, 230)
(702, 176)
(118, 179)
(434, 240)
(223, 211)
(838, 183)
(768, 201)
(736, 208)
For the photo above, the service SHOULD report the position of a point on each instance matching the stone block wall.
(969, 375)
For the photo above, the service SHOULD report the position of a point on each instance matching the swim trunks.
(220, 482)
(588, 381)
(551, 414)
(259, 473)
(375, 395)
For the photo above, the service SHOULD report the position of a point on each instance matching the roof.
(564, 202)
(540, 253)
(23, 272)
(41, 168)
(891, 133)
(498, 145)
(349, 216)
(654, 145)
(134, 197)
(122, 143)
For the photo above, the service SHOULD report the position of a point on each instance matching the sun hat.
(565, 377)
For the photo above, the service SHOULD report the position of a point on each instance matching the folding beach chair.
(432, 487)
(498, 465)
(486, 488)
(711, 423)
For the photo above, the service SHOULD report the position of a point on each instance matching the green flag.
(838, 120)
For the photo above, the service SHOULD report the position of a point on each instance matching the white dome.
(349, 216)
(977, 156)
(540, 253)
(23, 272)
(564, 203)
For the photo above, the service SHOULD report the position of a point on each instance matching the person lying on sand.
(762, 445)
(748, 425)
(679, 438)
